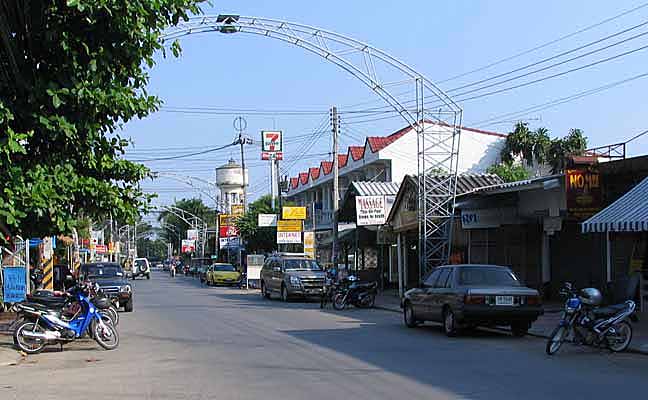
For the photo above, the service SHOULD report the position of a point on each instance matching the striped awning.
(627, 214)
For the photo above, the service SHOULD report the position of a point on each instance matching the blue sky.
(438, 39)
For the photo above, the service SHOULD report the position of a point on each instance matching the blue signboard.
(14, 284)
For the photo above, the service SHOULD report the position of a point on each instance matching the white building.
(384, 159)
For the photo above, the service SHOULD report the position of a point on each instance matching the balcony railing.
(323, 219)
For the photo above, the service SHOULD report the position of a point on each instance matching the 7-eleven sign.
(272, 141)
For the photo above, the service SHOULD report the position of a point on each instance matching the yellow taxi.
(222, 274)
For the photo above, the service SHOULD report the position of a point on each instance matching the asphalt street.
(184, 341)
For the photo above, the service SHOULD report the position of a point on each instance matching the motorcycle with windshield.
(40, 325)
(590, 324)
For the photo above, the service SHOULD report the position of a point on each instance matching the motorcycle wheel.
(368, 301)
(620, 340)
(28, 345)
(556, 339)
(113, 314)
(106, 335)
(339, 301)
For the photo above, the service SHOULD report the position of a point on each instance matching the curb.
(630, 349)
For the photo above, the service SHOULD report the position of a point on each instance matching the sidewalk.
(543, 327)
(8, 355)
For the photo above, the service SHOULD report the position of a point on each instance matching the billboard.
(238, 209)
(267, 220)
(293, 213)
(289, 226)
(309, 244)
(226, 242)
(271, 141)
(226, 220)
(192, 234)
(370, 210)
(288, 237)
(583, 189)
(188, 246)
(14, 284)
(227, 231)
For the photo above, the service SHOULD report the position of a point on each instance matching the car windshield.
(484, 276)
(301, 264)
(102, 271)
(225, 268)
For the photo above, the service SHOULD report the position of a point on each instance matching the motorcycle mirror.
(69, 278)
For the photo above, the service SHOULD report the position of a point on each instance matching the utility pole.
(336, 188)
(273, 184)
(240, 124)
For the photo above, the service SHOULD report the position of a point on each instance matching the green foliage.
(258, 239)
(537, 147)
(176, 228)
(509, 172)
(72, 72)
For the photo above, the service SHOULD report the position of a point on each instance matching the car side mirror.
(276, 269)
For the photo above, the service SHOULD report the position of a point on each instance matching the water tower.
(229, 179)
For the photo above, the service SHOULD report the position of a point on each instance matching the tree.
(536, 148)
(72, 72)
(509, 172)
(259, 239)
(174, 228)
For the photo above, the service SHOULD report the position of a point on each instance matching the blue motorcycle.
(40, 326)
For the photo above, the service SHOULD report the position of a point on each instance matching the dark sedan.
(112, 281)
(470, 295)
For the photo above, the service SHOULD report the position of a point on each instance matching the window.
(430, 281)
(443, 278)
(487, 276)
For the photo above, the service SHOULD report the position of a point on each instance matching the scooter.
(41, 326)
(359, 294)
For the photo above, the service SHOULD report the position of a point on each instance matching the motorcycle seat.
(53, 301)
(609, 310)
(37, 306)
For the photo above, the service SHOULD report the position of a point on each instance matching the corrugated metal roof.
(376, 188)
(628, 214)
(466, 183)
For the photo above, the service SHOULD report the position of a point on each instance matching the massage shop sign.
(583, 189)
(373, 210)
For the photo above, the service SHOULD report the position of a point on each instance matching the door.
(422, 296)
(439, 295)
(277, 274)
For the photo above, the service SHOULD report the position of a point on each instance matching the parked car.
(141, 267)
(112, 280)
(470, 295)
(291, 275)
(222, 274)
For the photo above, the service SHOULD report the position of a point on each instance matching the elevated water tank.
(231, 175)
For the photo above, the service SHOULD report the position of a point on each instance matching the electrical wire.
(184, 155)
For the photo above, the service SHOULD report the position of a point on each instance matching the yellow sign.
(293, 213)
(309, 244)
(226, 220)
(238, 209)
(289, 226)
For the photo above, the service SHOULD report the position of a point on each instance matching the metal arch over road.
(437, 130)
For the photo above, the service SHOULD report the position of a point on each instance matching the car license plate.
(503, 300)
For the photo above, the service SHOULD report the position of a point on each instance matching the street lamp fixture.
(227, 20)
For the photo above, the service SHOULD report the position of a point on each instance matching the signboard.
(479, 219)
(226, 220)
(254, 265)
(225, 242)
(48, 248)
(238, 209)
(227, 231)
(271, 141)
(188, 246)
(266, 155)
(289, 226)
(101, 249)
(583, 189)
(267, 220)
(293, 213)
(370, 210)
(309, 244)
(289, 237)
(14, 284)
(192, 234)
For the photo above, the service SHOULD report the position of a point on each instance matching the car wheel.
(409, 317)
(128, 307)
(264, 291)
(284, 293)
(519, 329)
(449, 323)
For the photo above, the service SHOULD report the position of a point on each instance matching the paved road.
(189, 342)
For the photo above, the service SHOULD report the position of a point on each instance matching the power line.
(541, 46)
(185, 155)
(637, 136)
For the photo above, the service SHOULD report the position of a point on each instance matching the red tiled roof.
(303, 177)
(294, 182)
(327, 167)
(314, 172)
(357, 152)
(377, 143)
(342, 160)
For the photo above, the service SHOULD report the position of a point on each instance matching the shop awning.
(628, 214)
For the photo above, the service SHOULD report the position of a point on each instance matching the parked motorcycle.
(356, 293)
(40, 325)
(591, 324)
